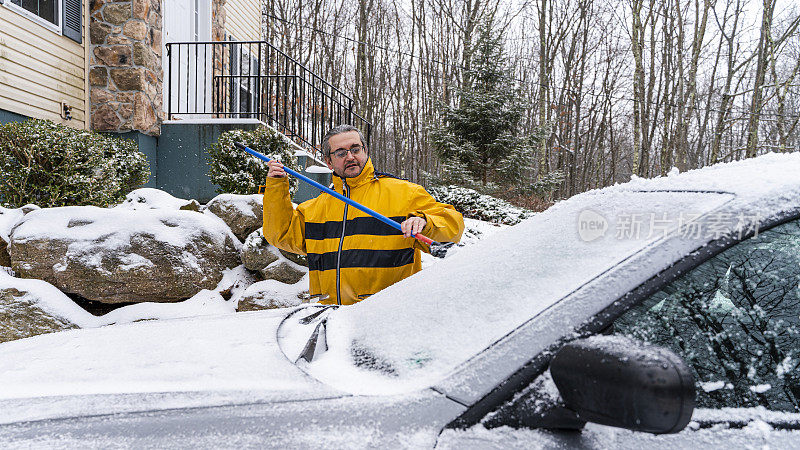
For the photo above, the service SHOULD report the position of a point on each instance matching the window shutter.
(72, 20)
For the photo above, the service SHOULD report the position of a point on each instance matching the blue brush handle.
(330, 191)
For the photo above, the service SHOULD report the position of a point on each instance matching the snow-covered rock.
(9, 218)
(21, 317)
(284, 271)
(149, 198)
(270, 294)
(121, 255)
(32, 307)
(259, 256)
(235, 281)
(242, 213)
(300, 260)
(5, 258)
(257, 253)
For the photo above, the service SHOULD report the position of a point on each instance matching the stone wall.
(221, 52)
(218, 20)
(125, 72)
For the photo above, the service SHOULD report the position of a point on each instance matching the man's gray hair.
(326, 146)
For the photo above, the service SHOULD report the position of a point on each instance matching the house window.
(45, 9)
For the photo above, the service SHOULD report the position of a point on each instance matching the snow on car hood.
(168, 363)
(416, 332)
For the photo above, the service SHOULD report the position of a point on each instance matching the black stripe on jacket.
(361, 258)
(358, 225)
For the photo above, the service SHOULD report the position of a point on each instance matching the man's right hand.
(275, 169)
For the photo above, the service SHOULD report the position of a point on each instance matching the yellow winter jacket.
(350, 261)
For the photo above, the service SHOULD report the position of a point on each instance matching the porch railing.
(254, 79)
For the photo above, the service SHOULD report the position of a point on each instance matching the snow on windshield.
(414, 333)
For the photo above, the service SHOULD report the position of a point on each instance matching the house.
(109, 75)
(170, 74)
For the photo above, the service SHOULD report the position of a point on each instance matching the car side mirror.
(620, 382)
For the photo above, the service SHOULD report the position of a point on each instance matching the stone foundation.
(125, 73)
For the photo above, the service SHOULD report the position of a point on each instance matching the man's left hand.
(412, 225)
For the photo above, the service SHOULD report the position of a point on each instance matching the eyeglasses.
(341, 153)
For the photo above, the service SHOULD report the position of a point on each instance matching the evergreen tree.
(481, 135)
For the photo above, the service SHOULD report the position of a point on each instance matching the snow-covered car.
(658, 312)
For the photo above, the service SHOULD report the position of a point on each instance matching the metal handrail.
(255, 79)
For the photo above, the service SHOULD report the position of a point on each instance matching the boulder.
(259, 256)
(270, 295)
(150, 198)
(28, 208)
(21, 317)
(5, 258)
(235, 281)
(257, 253)
(8, 219)
(32, 307)
(284, 271)
(243, 213)
(120, 255)
(260, 300)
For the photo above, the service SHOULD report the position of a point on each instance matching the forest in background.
(605, 90)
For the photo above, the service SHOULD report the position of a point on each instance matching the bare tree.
(620, 90)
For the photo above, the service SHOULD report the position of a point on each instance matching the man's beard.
(344, 170)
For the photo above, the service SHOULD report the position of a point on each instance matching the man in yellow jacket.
(352, 255)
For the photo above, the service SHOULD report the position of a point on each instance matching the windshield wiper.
(310, 318)
(317, 344)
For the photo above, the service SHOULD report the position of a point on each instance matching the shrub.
(53, 165)
(237, 172)
(474, 205)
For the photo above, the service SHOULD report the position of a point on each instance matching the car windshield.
(416, 332)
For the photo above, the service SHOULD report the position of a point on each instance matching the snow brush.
(341, 197)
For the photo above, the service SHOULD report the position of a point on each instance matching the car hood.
(202, 361)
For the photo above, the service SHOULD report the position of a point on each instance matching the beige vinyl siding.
(40, 68)
(243, 19)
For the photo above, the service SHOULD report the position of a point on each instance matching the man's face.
(350, 165)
